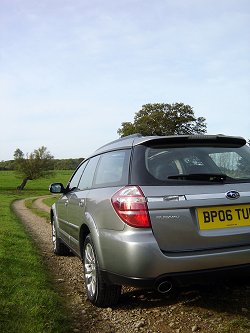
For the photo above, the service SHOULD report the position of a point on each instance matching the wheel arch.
(51, 216)
(84, 232)
(52, 213)
(95, 236)
(90, 227)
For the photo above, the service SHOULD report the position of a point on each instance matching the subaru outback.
(156, 212)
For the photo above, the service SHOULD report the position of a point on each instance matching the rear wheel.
(58, 247)
(98, 292)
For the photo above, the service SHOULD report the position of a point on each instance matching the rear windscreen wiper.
(212, 177)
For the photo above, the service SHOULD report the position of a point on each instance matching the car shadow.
(229, 296)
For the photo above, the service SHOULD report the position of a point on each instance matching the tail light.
(130, 204)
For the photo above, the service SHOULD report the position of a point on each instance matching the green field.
(28, 302)
(9, 182)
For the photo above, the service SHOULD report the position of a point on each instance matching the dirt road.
(219, 308)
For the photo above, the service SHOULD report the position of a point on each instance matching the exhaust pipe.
(164, 287)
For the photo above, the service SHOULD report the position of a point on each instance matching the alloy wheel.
(54, 237)
(90, 270)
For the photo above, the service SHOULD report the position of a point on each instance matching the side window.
(88, 174)
(73, 184)
(112, 169)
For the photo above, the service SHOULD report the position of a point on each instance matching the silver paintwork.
(173, 244)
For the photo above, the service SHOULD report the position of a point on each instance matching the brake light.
(130, 204)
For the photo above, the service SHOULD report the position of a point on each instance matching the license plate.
(223, 217)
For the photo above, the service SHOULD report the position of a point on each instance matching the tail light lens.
(130, 204)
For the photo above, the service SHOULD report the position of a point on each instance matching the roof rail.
(136, 135)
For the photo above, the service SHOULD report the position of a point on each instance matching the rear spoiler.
(193, 140)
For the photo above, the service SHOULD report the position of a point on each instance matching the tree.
(164, 119)
(37, 164)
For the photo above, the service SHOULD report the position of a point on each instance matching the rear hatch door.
(197, 190)
(191, 218)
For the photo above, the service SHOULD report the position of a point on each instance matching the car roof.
(137, 139)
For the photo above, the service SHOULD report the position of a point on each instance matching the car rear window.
(161, 164)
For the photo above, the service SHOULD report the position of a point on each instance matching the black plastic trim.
(180, 279)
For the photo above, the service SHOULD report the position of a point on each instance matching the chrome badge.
(232, 195)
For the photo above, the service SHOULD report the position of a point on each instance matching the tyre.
(58, 247)
(98, 292)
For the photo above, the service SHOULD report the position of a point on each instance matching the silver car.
(156, 212)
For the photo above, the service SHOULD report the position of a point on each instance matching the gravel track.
(207, 310)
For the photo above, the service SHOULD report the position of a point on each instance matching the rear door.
(77, 203)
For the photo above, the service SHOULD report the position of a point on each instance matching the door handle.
(81, 202)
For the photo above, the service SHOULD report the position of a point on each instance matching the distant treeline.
(57, 164)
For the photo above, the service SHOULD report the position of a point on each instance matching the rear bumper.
(134, 258)
(181, 279)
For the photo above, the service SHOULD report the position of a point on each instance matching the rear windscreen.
(161, 164)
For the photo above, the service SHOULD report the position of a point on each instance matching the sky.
(71, 71)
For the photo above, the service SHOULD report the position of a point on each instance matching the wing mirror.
(57, 188)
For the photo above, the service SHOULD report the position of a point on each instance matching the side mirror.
(57, 188)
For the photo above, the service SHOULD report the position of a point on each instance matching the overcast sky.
(71, 71)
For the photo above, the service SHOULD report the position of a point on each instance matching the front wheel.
(98, 292)
(58, 247)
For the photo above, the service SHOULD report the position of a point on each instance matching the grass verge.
(49, 201)
(28, 301)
